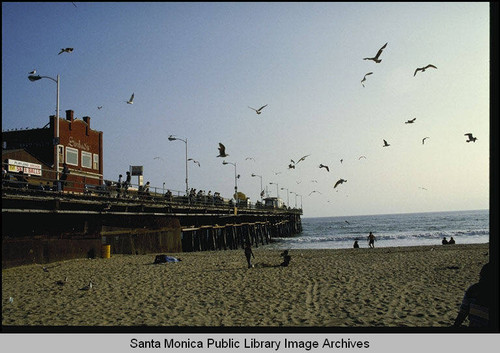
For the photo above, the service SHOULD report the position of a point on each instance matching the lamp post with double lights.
(261, 189)
(172, 138)
(235, 181)
(34, 78)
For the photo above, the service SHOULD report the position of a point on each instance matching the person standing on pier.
(248, 254)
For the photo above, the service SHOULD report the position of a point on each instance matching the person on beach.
(477, 300)
(451, 241)
(444, 242)
(371, 240)
(356, 245)
(286, 258)
(249, 254)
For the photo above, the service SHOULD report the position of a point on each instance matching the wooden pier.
(45, 226)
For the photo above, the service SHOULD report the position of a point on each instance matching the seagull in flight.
(471, 138)
(302, 158)
(32, 72)
(423, 69)
(376, 58)
(222, 150)
(65, 50)
(385, 144)
(314, 192)
(99, 107)
(422, 188)
(423, 140)
(340, 181)
(324, 166)
(191, 159)
(361, 157)
(131, 100)
(253, 159)
(291, 166)
(258, 111)
(364, 78)
(411, 121)
(159, 158)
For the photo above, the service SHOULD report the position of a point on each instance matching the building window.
(72, 156)
(96, 161)
(86, 160)
(60, 150)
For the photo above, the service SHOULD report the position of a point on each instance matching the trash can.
(106, 251)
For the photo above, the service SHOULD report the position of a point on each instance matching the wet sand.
(382, 287)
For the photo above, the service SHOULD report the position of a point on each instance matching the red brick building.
(78, 146)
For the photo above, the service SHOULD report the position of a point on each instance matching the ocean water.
(410, 229)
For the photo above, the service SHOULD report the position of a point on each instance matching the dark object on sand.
(160, 259)
(286, 258)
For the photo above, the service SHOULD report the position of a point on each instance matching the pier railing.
(22, 184)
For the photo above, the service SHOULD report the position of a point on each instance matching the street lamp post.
(261, 190)
(235, 181)
(172, 138)
(287, 198)
(277, 192)
(291, 192)
(34, 78)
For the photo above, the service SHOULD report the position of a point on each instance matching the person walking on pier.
(248, 254)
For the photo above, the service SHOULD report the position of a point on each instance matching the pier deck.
(45, 226)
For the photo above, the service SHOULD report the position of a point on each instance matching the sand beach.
(382, 287)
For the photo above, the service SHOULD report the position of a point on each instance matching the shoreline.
(392, 287)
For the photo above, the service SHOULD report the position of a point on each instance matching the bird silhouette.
(251, 158)
(364, 78)
(385, 144)
(291, 166)
(340, 181)
(314, 181)
(258, 111)
(361, 157)
(302, 158)
(222, 150)
(471, 138)
(99, 107)
(423, 140)
(131, 100)
(423, 69)
(312, 192)
(376, 58)
(324, 166)
(32, 72)
(196, 162)
(411, 121)
(65, 50)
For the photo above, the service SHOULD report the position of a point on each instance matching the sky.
(197, 68)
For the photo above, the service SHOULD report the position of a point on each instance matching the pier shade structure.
(43, 225)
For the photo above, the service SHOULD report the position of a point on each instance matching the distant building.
(79, 147)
